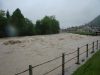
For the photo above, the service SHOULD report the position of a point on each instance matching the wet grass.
(91, 67)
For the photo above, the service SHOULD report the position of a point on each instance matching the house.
(71, 29)
(98, 28)
(79, 29)
(94, 29)
(87, 28)
(63, 30)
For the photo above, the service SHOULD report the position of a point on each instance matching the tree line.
(17, 25)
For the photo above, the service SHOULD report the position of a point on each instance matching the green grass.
(91, 67)
(83, 33)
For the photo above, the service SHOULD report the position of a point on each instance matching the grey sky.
(68, 12)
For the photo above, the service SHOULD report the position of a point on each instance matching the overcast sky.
(67, 12)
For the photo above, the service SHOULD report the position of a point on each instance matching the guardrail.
(79, 53)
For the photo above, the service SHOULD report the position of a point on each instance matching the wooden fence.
(97, 46)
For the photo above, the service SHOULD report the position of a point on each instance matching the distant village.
(82, 28)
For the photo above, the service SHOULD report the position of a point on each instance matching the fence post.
(92, 48)
(77, 56)
(63, 63)
(97, 44)
(87, 50)
(30, 70)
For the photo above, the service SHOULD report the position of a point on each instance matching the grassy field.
(83, 33)
(91, 67)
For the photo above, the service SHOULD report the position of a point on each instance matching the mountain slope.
(95, 22)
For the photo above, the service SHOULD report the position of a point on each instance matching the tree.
(7, 14)
(3, 24)
(55, 25)
(38, 27)
(2, 13)
(17, 25)
(18, 21)
(29, 27)
(46, 25)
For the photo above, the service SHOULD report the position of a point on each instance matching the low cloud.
(68, 12)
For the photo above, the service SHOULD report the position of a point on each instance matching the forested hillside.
(95, 22)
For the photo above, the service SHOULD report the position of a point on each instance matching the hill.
(95, 22)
